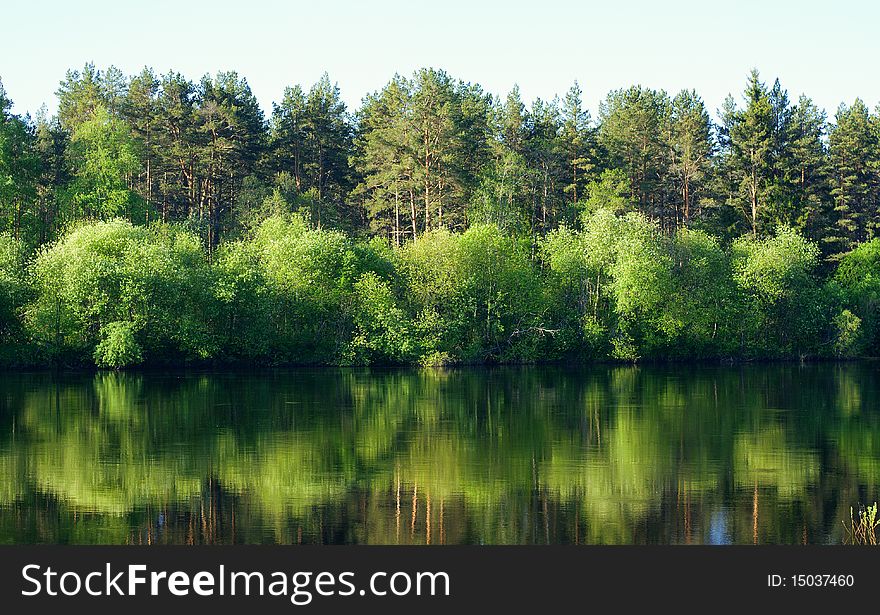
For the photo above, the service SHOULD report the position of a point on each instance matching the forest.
(160, 220)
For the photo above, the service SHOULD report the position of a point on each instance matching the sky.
(828, 50)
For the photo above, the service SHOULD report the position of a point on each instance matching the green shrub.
(154, 278)
(119, 346)
(847, 334)
(857, 282)
(14, 290)
(785, 311)
(475, 296)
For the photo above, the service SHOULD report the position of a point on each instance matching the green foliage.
(436, 224)
(702, 312)
(572, 291)
(475, 296)
(633, 123)
(383, 331)
(496, 297)
(294, 294)
(641, 284)
(857, 281)
(313, 131)
(751, 138)
(622, 289)
(116, 295)
(784, 308)
(118, 346)
(611, 191)
(847, 334)
(853, 152)
(13, 289)
(102, 157)
(125, 288)
(20, 167)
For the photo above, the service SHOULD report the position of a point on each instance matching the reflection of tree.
(766, 459)
(609, 455)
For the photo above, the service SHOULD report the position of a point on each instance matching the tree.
(785, 310)
(231, 129)
(140, 108)
(474, 296)
(178, 145)
(438, 127)
(505, 195)
(809, 168)
(50, 146)
(102, 158)
(853, 150)
(13, 289)
(691, 147)
(118, 294)
(19, 170)
(577, 142)
(546, 159)
(857, 280)
(311, 138)
(633, 128)
(81, 94)
(385, 160)
(750, 132)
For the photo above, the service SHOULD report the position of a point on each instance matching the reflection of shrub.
(118, 346)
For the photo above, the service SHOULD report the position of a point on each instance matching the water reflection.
(765, 454)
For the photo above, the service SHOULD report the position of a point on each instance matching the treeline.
(430, 152)
(155, 219)
(115, 294)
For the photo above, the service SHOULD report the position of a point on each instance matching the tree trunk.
(412, 210)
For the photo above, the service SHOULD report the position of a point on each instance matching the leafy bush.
(847, 334)
(475, 296)
(13, 289)
(118, 346)
(383, 332)
(857, 282)
(784, 310)
(155, 279)
(117, 295)
(289, 293)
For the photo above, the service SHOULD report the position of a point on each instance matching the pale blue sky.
(829, 50)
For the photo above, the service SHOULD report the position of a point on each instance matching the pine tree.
(691, 147)
(140, 110)
(79, 96)
(853, 147)
(751, 147)
(50, 146)
(808, 158)
(385, 159)
(232, 136)
(577, 142)
(633, 130)
(19, 169)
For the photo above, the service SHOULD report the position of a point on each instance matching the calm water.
(767, 454)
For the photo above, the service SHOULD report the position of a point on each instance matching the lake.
(509, 455)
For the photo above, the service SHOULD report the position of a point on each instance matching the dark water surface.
(673, 454)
